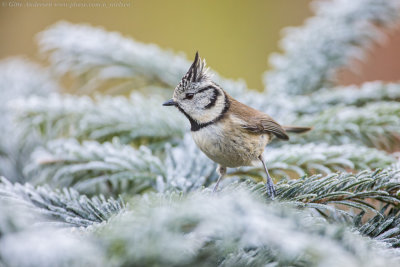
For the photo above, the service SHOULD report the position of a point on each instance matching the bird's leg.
(221, 171)
(270, 184)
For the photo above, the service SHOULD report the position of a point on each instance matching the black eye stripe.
(201, 91)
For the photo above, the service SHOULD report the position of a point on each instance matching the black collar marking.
(195, 126)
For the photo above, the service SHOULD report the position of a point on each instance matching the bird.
(229, 132)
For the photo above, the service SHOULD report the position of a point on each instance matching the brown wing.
(256, 121)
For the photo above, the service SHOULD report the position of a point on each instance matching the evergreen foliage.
(375, 125)
(20, 78)
(66, 206)
(99, 119)
(339, 32)
(94, 179)
(92, 167)
(84, 52)
(233, 228)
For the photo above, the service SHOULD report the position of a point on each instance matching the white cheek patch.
(202, 115)
(202, 100)
(205, 98)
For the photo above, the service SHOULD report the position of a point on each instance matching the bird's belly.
(232, 147)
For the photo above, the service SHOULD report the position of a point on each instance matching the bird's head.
(197, 96)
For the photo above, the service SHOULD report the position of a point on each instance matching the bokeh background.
(234, 36)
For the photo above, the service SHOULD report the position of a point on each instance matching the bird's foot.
(215, 188)
(270, 190)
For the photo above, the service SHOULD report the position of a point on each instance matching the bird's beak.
(170, 102)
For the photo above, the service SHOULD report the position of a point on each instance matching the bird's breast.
(229, 144)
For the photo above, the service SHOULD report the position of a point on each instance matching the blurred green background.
(234, 36)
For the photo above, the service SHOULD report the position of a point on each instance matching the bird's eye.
(189, 96)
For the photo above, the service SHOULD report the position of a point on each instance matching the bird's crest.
(198, 72)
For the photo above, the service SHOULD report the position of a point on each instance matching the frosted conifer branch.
(30, 220)
(26, 241)
(137, 119)
(49, 247)
(347, 96)
(365, 191)
(65, 206)
(19, 78)
(227, 228)
(186, 168)
(91, 167)
(322, 158)
(84, 51)
(30, 232)
(384, 228)
(375, 125)
(114, 168)
(233, 227)
(345, 189)
(281, 106)
(340, 31)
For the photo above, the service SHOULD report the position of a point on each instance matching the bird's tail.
(296, 129)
